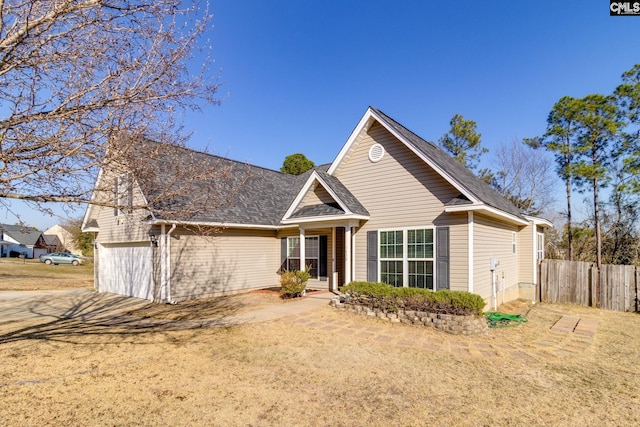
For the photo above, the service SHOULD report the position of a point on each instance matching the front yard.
(321, 368)
(31, 274)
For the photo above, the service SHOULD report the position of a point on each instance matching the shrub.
(293, 283)
(390, 299)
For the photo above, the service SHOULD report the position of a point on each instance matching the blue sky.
(298, 75)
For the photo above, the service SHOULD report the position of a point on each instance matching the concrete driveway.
(83, 304)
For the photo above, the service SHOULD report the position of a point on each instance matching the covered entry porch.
(327, 248)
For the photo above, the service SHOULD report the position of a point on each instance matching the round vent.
(376, 152)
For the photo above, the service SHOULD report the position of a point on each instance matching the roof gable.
(342, 202)
(476, 193)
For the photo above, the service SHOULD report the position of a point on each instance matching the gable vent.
(376, 152)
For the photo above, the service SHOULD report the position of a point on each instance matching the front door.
(340, 255)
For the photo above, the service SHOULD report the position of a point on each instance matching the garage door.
(125, 270)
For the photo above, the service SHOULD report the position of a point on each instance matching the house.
(53, 243)
(60, 239)
(23, 240)
(391, 207)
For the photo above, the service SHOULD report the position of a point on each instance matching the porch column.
(302, 250)
(347, 255)
(470, 255)
(334, 269)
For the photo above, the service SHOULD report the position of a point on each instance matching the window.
(513, 242)
(420, 258)
(406, 258)
(391, 257)
(312, 254)
(540, 246)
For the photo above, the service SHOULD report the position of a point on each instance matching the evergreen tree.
(296, 164)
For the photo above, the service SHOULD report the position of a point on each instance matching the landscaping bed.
(454, 312)
(465, 325)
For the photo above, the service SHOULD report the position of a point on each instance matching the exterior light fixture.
(154, 239)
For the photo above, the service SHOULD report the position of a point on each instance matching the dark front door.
(340, 255)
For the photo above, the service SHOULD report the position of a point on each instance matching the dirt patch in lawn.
(28, 275)
(518, 306)
(324, 367)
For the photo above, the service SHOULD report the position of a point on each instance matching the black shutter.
(372, 256)
(283, 254)
(322, 258)
(442, 258)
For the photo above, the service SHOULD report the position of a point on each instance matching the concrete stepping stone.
(586, 327)
(566, 324)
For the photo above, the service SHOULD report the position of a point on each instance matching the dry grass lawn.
(323, 368)
(27, 275)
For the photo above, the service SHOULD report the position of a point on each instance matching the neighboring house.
(53, 243)
(391, 207)
(23, 240)
(65, 239)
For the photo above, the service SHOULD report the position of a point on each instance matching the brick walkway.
(567, 337)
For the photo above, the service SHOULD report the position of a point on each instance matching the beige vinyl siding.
(316, 196)
(400, 190)
(526, 253)
(225, 263)
(124, 227)
(492, 238)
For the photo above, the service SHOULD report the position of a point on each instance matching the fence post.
(635, 281)
(539, 283)
(593, 301)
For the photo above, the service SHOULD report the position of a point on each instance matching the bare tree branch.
(75, 74)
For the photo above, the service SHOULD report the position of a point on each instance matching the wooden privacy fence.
(575, 282)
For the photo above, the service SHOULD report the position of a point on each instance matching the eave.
(321, 219)
(487, 210)
(539, 221)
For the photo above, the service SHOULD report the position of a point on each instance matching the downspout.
(168, 262)
(163, 264)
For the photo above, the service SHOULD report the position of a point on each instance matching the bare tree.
(525, 176)
(77, 75)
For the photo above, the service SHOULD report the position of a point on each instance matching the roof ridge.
(386, 116)
(216, 156)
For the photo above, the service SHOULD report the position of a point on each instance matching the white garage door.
(125, 270)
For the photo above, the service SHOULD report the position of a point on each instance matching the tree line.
(595, 142)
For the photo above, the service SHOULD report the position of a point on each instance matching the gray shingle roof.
(239, 193)
(23, 235)
(343, 193)
(325, 209)
(248, 194)
(51, 240)
(478, 188)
